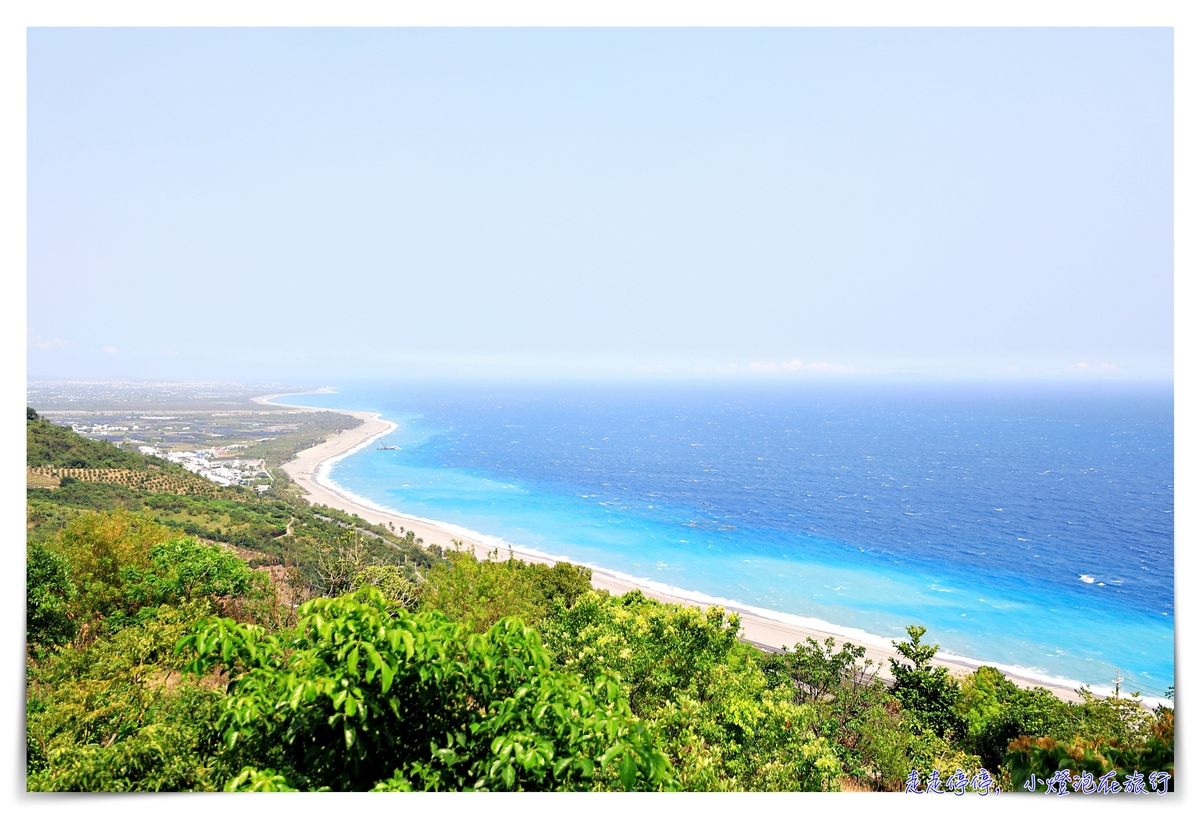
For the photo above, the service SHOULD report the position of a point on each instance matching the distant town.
(212, 463)
(204, 463)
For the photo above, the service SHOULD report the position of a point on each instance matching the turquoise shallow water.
(1029, 528)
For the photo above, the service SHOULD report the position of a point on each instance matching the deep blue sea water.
(1026, 525)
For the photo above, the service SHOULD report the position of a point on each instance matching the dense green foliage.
(314, 428)
(328, 653)
(691, 678)
(481, 593)
(49, 593)
(363, 694)
(1039, 761)
(876, 741)
(925, 691)
(115, 715)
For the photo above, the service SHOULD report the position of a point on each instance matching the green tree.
(855, 711)
(688, 675)
(995, 712)
(391, 582)
(102, 550)
(930, 694)
(817, 672)
(561, 584)
(877, 742)
(123, 563)
(364, 694)
(480, 593)
(183, 568)
(48, 595)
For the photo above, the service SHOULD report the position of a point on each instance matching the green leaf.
(628, 770)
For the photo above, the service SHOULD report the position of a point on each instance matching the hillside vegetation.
(185, 641)
(49, 445)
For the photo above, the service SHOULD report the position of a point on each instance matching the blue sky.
(323, 204)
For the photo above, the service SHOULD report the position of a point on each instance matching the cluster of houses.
(99, 429)
(226, 473)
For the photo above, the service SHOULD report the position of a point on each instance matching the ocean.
(1028, 526)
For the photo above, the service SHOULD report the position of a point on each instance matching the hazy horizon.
(316, 205)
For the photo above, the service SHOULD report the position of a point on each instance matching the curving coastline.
(768, 629)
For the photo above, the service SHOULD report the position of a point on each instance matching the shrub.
(391, 582)
(995, 712)
(929, 694)
(725, 726)
(114, 715)
(101, 549)
(183, 568)
(365, 694)
(480, 593)
(48, 595)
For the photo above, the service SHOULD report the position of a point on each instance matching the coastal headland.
(767, 630)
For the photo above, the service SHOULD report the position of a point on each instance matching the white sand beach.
(764, 628)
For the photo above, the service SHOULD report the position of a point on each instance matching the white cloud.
(824, 367)
(38, 342)
(1083, 366)
(799, 366)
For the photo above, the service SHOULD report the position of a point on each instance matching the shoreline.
(768, 630)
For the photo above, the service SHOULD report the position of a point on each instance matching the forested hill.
(47, 444)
